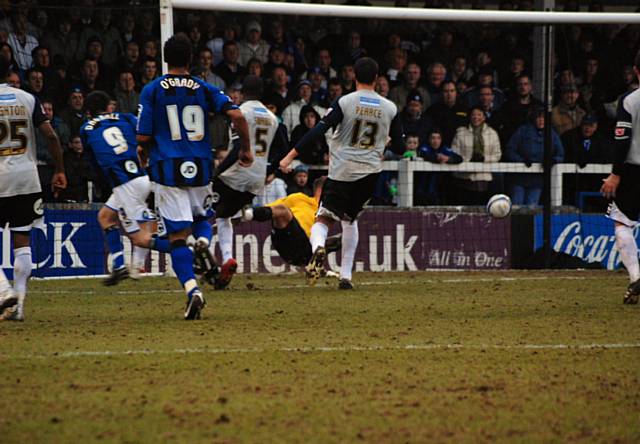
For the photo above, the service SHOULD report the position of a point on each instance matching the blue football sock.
(182, 263)
(160, 244)
(202, 228)
(114, 243)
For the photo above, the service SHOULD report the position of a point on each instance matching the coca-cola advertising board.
(587, 236)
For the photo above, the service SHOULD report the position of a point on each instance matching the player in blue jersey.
(173, 134)
(110, 140)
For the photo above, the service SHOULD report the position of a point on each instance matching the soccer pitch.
(406, 357)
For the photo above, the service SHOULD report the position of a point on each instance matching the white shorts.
(178, 207)
(130, 201)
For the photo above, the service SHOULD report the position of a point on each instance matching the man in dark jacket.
(584, 145)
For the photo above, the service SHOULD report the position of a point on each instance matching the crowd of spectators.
(464, 91)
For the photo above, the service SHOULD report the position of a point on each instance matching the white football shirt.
(20, 114)
(263, 125)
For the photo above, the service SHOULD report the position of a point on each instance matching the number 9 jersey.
(20, 114)
(174, 111)
(111, 140)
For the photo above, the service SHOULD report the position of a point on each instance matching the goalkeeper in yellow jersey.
(291, 219)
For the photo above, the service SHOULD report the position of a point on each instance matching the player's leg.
(108, 220)
(347, 202)
(624, 212)
(350, 238)
(174, 208)
(22, 265)
(8, 297)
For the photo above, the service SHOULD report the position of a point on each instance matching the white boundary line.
(326, 349)
(364, 284)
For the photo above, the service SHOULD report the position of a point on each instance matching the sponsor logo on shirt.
(367, 101)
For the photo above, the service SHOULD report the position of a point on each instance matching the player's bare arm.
(245, 157)
(143, 149)
(285, 163)
(59, 180)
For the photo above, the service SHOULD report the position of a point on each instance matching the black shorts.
(20, 211)
(227, 201)
(292, 243)
(628, 192)
(346, 199)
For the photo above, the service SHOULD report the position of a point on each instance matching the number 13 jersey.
(20, 114)
(363, 121)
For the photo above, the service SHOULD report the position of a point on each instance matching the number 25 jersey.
(20, 114)
(174, 111)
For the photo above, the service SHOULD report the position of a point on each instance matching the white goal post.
(388, 13)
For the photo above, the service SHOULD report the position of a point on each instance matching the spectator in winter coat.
(477, 142)
(527, 146)
(318, 153)
(567, 114)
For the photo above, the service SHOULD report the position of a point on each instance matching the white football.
(499, 206)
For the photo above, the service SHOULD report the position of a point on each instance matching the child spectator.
(429, 186)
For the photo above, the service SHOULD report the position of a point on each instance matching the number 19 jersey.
(174, 110)
(20, 114)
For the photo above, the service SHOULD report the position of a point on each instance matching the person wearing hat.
(583, 146)
(253, 46)
(567, 114)
(527, 146)
(291, 114)
(413, 119)
(300, 181)
(73, 113)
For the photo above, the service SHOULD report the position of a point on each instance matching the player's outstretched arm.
(245, 156)
(59, 180)
(285, 163)
(144, 144)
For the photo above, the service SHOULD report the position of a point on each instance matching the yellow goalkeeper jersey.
(303, 207)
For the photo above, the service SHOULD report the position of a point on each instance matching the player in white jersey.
(235, 186)
(363, 122)
(20, 191)
(623, 185)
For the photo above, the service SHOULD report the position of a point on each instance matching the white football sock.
(349, 244)
(225, 238)
(4, 282)
(139, 256)
(628, 250)
(319, 232)
(21, 270)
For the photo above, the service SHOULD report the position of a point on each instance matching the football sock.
(139, 256)
(182, 263)
(159, 244)
(262, 214)
(225, 238)
(628, 250)
(319, 232)
(202, 231)
(114, 243)
(4, 282)
(21, 269)
(349, 244)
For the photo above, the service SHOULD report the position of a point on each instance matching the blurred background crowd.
(464, 90)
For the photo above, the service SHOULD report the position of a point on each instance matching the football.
(499, 206)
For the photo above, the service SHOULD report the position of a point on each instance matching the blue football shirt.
(174, 111)
(110, 139)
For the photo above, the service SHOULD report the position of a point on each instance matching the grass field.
(421, 357)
